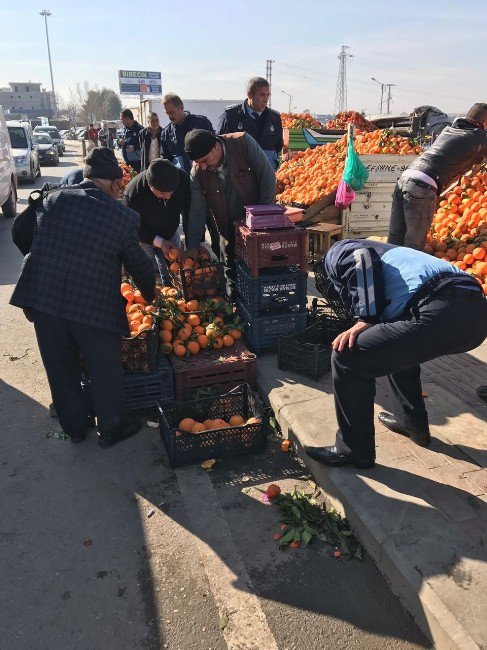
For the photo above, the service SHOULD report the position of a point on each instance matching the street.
(112, 549)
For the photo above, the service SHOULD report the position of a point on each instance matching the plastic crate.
(267, 250)
(223, 369)
(263, 333)
(139, 354)
(204, 282)
(142, 390)
(327, 290)
(271, 291)
(188, 448)
(309, 352)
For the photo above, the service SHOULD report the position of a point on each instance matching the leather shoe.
(421, 439)
(331, 456)
(126, 430)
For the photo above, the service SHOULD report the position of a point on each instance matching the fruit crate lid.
(265, 209)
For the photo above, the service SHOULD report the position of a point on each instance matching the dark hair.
(91, 123)
(127, 113)
(255, 83)
(478, 113)
(172, 98)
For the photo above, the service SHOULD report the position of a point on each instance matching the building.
(25, 99)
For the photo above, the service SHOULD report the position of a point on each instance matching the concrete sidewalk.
(421, 513)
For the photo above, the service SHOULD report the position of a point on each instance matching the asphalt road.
(112, 549)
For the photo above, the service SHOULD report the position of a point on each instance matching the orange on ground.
(273, 491)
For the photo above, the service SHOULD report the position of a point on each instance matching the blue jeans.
(413, 207)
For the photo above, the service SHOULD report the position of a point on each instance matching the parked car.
(55, 135)
(24, 151)
(46, 149)
(8, 177)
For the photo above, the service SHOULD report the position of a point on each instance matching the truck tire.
(9, 208)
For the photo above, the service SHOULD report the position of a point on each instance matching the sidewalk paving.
(421, 513)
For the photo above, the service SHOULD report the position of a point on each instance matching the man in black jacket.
(256, 118)
(129, 141)
(69, 287)
(456, 150)
(150, 142)
(161, 195)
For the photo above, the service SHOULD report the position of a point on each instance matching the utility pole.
(46, 13)
(290, 100)
(341, 93)
(382, 86)
(268, 76)
(389, 97)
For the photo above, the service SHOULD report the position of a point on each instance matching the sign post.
(139, 82)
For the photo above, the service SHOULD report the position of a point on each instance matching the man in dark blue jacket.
(173, 135)
(130, 140)
(409, 308)
(257, 119)
(69, 286)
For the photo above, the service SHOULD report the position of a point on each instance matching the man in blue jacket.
(409, 308)
(257, 119)
(130, 140)
(181, 122)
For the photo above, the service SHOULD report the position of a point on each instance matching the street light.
(46, 13)
(290, 99)
(382, 86)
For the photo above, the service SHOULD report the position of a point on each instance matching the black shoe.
(52, 411)
(128, 429)
(482, 392)
(388, 420)
(76, 439)
(331, 456)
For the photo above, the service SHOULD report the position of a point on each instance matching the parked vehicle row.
(8, 177)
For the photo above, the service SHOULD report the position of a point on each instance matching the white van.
(8, 177)
(24, 150)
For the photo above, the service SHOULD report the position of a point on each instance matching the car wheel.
(33, 174)
(38, 169)
(9, 208)
(60, 153)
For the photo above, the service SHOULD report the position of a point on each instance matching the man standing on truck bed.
(456, 150)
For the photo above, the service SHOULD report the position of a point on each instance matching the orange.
(468, 259)
(173, 254)
(479, 253)
(273, 491)
(128, 295)
(218, 320)
(188, 263)
(217, 343)
(192, 305)
(195, 320)
(182, 305)
(167, 325)
(125, 286)
(198, 428)
(138, 297)
(253, 421)
(148, 319)
(208, 424)
(193, 347)
(175, 267)
(133, 308)
(184, 334)
(150, 309)
(198, 330)
(165, 336)
(186, 424)
(228, 341)
(144, 327)
(179, 349)
(236, 420)
(236, 334)
(203, 341)
(220, 424)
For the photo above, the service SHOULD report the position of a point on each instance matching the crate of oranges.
(213, 427)
(140, 348)
(196, 279)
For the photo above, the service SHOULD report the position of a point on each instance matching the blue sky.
(435, 52)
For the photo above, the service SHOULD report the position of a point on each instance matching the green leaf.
(296, 512)
(306, 537)
(288, 537)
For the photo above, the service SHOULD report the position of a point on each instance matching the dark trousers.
(60, 343)
(453, 321)
(412, 211)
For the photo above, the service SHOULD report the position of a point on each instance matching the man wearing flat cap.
(69, 287)
(161, 195)
(229, 172)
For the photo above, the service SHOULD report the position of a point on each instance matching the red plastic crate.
(224, 368)
(267, 250)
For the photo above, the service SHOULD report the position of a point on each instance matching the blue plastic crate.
(142, 389)
(263, 333)
(273, 291)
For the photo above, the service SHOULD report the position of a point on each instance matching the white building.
(24, 98)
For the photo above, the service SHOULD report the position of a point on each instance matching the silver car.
(24, 150)
(55, 135)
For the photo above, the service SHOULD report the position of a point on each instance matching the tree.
(101, 104)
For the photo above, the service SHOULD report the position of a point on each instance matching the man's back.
(74, 267)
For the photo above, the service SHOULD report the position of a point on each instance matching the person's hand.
(191, 252)
(350, 336)
(121, 142)
(165, 245)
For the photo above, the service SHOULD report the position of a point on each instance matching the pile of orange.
(176, 265)
(141, 316)
(299, 120)
(315, 173)
(128, 173)
(188, 425)
(188, 327)
(459, 229)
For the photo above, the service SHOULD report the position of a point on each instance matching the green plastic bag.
(355, 173)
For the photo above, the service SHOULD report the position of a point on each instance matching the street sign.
(139, 82)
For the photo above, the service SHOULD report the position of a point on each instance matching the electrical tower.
(341, 94)
(268, 76)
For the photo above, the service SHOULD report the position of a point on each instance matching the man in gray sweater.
(229, 172)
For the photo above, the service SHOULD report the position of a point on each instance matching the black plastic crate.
(327, 290)
(262, 333)
(204, 282)
(188, 448)
(273, 291)
(309, 352)
(142, 390)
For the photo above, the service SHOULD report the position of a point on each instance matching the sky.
(434, 52)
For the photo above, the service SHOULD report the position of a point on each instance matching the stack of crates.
(271, 262)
